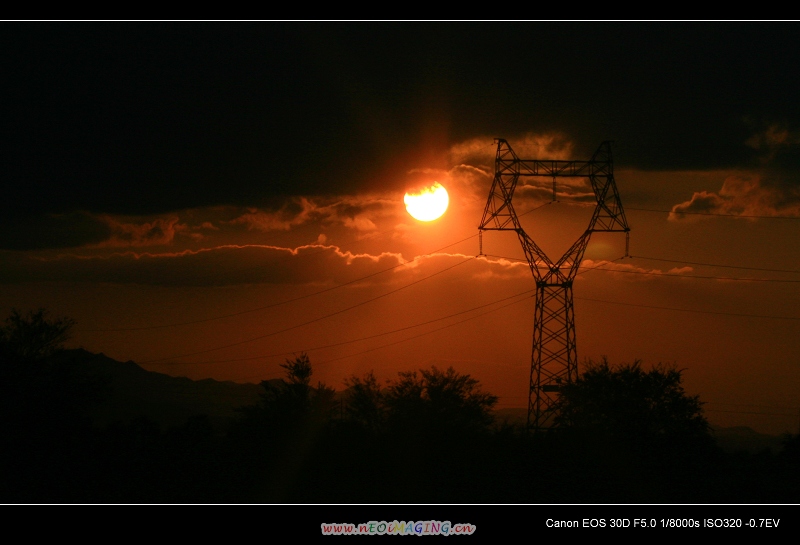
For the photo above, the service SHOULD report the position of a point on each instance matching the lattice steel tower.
(554, 359)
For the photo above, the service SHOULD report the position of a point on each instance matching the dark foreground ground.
(67, 439)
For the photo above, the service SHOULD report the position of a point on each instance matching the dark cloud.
(702, 202)
(744, 195)
(355, 212)
(225, 265)
(40, 231)
(315, 264)
(96, 231)
(148, 118)
(158, 232)
(772, 188)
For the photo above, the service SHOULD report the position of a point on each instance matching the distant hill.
(737, 438)
(742, 438)
(511, 416)
(130, 391)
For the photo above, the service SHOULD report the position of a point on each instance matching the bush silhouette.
(627, 402)
(33, 336)
(424, 399)
(634, 434)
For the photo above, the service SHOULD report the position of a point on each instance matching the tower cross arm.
(556, 168)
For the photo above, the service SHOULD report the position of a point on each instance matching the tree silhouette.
(277, 438)
(428, 398)
(36, 374)
(298, 370)
(440, 398)
(294, 397)
(433, 423)
(366, 404)
(288, 402)
(33, 336)
(45, 402)
(627, 433)
(628, 402)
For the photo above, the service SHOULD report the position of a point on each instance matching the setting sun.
(428, 203)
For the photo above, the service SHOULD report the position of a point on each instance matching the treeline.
(626, 434)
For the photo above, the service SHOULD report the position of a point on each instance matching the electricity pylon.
(554, 358)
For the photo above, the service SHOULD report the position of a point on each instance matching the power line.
(586, 269)
(315, 319)
(704, 277)
(213, 318)
(427, 332)
(690, 310)
(715, 214)
(409, 338)
(535, 209)
(714, 264)
(360, 338)
(273, 305)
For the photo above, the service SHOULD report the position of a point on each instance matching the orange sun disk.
(427, 204)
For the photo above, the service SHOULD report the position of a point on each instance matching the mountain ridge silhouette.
(129, 391)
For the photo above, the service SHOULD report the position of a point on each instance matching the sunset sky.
(208, 199)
